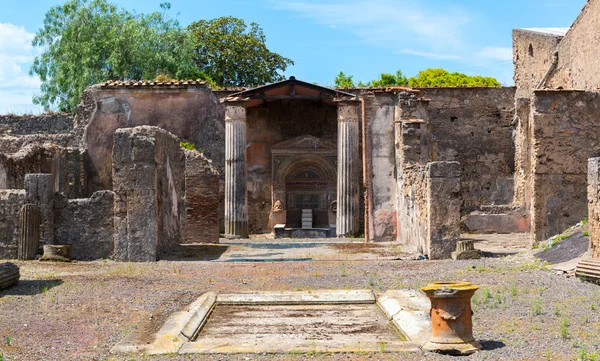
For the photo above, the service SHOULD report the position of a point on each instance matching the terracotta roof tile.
(131, 83)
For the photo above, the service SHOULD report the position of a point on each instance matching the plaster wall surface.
(190, 112)
(564, 135)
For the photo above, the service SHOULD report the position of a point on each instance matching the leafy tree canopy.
(343, 81)
(432, 77)
(439, 77)
(86, 42)
(233, 55)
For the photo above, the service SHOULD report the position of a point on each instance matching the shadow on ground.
(30, 287)
(490, 345)
(196, 252)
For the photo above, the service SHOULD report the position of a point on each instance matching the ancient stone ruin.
(293, 159)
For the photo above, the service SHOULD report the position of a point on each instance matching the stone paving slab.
(297, 297)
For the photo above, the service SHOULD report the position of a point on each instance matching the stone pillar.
(39, 189)
(593, 195)
(348, 168)
(29, 232)
(236, 198)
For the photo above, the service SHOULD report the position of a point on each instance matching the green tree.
(388, 80)
(344, 81)
(86, 42)
(435, 77)
(232, 55)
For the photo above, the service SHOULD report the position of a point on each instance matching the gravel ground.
(78, 311)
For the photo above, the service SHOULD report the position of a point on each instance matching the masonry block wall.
(428, 194)
(594, 206)
(11, 201)
(149, 185)
(202, 199)
(85, 224)
(473, 126)
(564, 135)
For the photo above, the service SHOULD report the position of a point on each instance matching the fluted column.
(29, 232)
(348, 168)
(236, 200)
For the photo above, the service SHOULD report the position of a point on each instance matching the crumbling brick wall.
(11, 201)
(564, 135)
(472, 126)
(149, 185)
(202, 199)
(85, 224)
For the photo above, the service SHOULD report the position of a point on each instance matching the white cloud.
(399, 25)
(426, 54)
(496, 53)
(16, 56)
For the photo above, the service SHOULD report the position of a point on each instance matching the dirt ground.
(78, 311)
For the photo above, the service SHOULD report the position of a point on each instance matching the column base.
(238, 226)
(459, 349)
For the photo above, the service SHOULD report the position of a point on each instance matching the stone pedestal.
(39, 189)
(451, 318)
(29, 232)
(466, 250)
(57, 253)
(348, 168)
(9, 275)
(236, 200)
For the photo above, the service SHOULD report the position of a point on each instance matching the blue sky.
(362, 38)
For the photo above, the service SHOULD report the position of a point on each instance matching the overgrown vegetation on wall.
(86, 42)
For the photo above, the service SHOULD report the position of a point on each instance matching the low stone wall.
(594, 206)
(565, 135)
(202, 199)
(149, 185)
(11, 201)
(85, 224)
(54, 123)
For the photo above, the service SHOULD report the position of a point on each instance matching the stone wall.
(54, 123)
(564, 135)
(270, 124)
(190, 112)
(578, 66)
(65, 165)
(202, 199)
(593, 192)
(472, 126)
(85, 224)
(11, 201)
(149, 185)
(428, 204)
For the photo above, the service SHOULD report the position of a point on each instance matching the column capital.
(235, 111)
(347, 110)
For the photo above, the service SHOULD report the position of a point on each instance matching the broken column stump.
(466, 250)
(9, 275)
(29, 232)
(57, 253)
(451, 318)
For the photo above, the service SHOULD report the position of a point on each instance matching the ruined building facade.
(294, 159)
